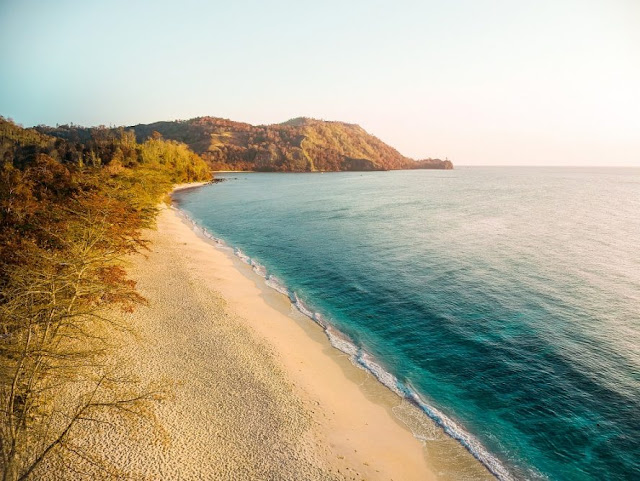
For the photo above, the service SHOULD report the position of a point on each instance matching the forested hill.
(298, 145)
(70, 212)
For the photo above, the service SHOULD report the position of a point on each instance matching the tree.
(57, 342)
(65, 226)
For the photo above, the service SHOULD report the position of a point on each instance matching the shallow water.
(503, 301)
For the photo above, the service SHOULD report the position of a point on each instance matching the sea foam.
(364, 360)
(275, 284)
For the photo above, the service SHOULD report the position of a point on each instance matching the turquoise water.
(503, 301)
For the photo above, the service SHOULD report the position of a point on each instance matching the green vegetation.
(298, 145)
(70, 210)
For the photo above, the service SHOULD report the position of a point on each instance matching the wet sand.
(259, 392)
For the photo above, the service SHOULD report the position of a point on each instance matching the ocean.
(505, 302)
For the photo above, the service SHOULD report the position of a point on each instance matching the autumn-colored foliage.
(298, 145)
(70, 210)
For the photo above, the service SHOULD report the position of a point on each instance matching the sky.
(481, 82)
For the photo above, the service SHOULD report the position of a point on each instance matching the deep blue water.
(506, 301)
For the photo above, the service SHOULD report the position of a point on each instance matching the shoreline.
(360, 436)
(308, 357)
(256, 390)
(188, 186)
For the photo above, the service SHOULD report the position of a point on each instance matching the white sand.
(259, 394)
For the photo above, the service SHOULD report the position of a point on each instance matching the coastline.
(189, 186)
(310, 359)
(359, 435)
(259, 392)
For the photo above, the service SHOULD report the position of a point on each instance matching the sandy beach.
(259, 393)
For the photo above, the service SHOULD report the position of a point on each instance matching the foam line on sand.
(258, 393)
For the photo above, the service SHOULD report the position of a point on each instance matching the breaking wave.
(364, 360)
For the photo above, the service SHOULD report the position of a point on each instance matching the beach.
(258, 392)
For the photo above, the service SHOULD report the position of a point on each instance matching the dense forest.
(70, 211)
(298, 145)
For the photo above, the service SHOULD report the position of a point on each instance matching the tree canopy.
(70, 210)
(298, 145)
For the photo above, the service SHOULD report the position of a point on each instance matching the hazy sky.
(478, 81)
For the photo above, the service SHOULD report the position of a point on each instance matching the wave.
(301, 306)
(242, 256)
(198, 229)
(341, 342)
(368, 363)
(255, 265)
(259, 268)
(364, 360)
(273, 282)
(454, 430)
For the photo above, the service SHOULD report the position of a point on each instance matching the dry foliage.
(64, 230)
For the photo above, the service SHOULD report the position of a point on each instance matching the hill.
(298, 145)
(70, 212)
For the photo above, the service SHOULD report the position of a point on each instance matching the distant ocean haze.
(505, 301)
